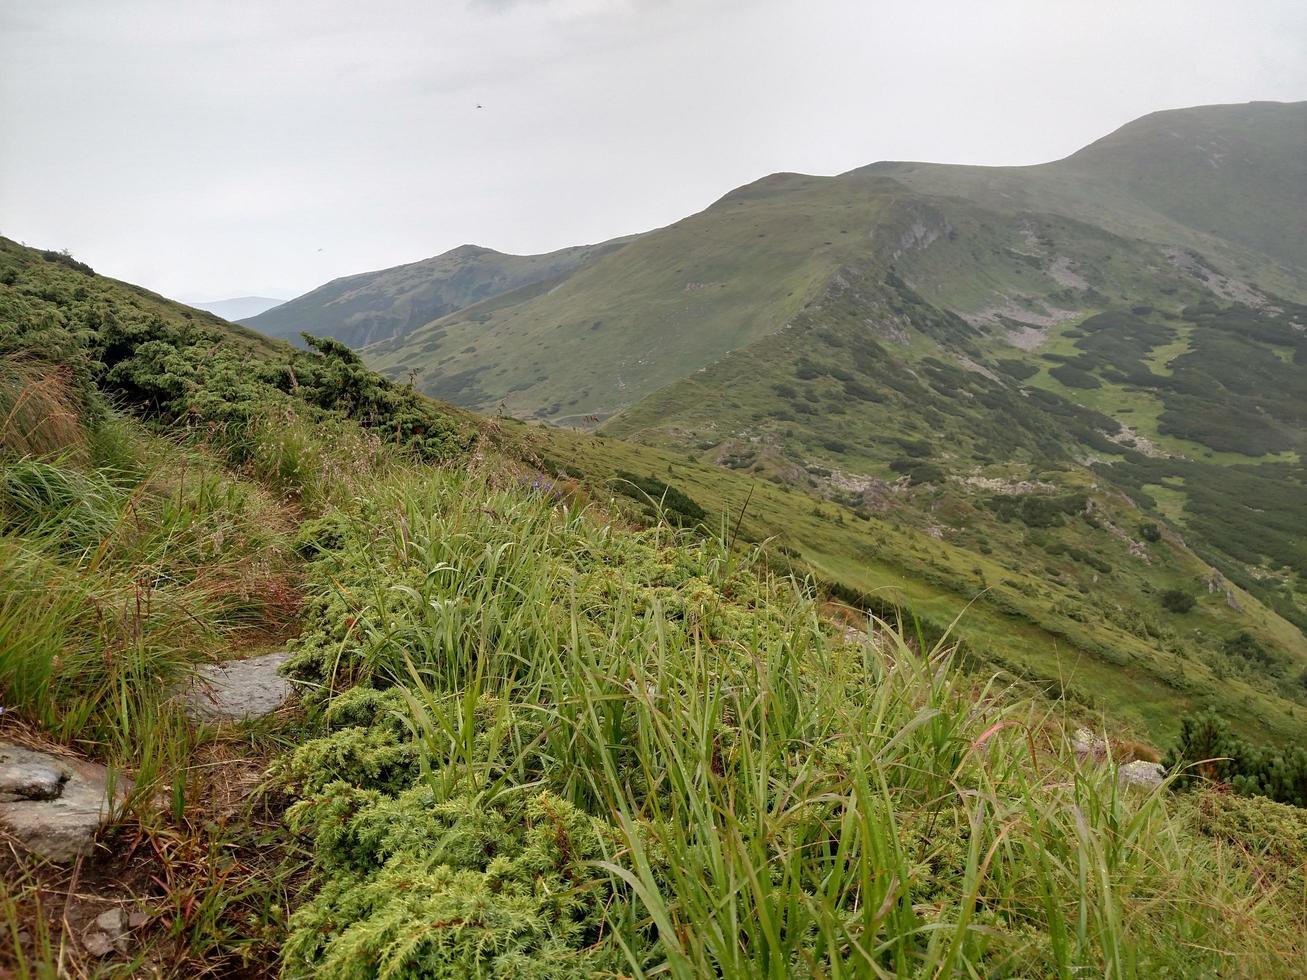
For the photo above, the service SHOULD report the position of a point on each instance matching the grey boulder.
(53, 806)
(1146, 775)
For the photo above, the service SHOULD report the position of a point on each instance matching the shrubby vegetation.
(1177, 601)
(1039, 510)
(661, 500)
(1207, 749)
(177, 371)
(1074, 377)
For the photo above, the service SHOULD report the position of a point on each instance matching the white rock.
(1086, 743)
(97, 943)
(1148, 775)
(113, 922)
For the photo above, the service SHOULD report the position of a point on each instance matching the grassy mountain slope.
(1194, 412)
(1228, 181)
(54, 282)
(956, 348)
(1211, 196)
(670, 302)
(358, 310)
(538, 735)
(1233, 171)
(1048, 574)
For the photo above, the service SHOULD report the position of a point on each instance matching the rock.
(1147, 775)
(53, 806)
(97, 943)
(112, 922)
(107, 933)
(1087, 744)
(29, 779)
(236, 690)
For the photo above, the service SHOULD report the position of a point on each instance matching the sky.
(216, 148)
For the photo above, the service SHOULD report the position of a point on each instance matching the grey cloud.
(214, 147)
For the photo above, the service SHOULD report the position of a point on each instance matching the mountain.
(239, 307)
(1230, 180)
(965, 350)
(1215, 192)
(373, 306)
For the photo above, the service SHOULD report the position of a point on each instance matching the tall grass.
(113, 581)
(776, 802)
(316, 465)
(39, 411)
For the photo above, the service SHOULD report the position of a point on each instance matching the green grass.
(1058, 623)
(558, 749)
(113, 581)
(122, 567)
(1170, 501)
(809, 324)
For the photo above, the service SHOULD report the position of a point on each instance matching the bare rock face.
(237, 690)
(53, 806)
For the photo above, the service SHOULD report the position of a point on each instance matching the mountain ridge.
(365, 307)
(903, 335)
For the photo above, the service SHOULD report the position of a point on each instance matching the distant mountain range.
(906, 334)
(239, 307)
(393, 302)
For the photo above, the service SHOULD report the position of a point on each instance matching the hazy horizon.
(226, 150)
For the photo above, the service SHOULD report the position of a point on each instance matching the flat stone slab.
(53, 806)
(237, 690)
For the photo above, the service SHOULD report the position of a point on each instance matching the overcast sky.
(212, 148)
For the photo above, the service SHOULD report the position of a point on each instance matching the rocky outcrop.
(53, 806)
(1095, 748)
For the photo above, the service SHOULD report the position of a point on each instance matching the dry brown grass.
(38, 410)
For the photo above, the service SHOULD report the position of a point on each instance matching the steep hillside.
(1193, 410)
(679, 298)
(1212, 197)
(664, 306)
(535, 730)
(1237, 172)
(55, 285)
(953, 347)
(1056, 577)
(361, 309)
